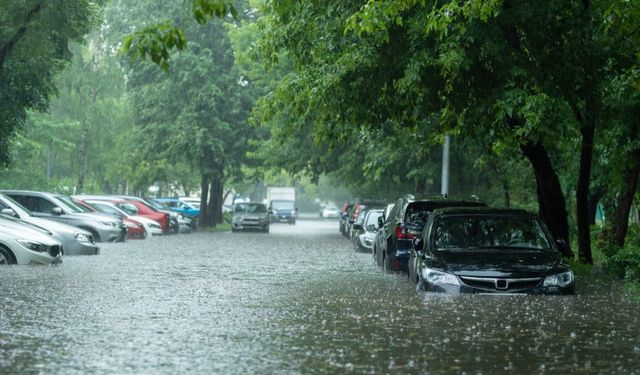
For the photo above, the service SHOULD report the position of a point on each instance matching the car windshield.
(68, 202)
(251, 208)
(282, 205)
(372, 219)
(494, 232)
(18, 205)
(107, 209)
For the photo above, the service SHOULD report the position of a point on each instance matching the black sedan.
(485, 250)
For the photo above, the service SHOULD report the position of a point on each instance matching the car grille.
(501, 284)
(54, 250)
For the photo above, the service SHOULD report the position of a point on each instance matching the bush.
(625, 262)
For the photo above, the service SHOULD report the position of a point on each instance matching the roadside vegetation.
(541, 103)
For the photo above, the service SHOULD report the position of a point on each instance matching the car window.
(372, 219)
(484, 231)
(282, 205)
(128, 208)
(37, 204)
(68, 202)
(107, 209)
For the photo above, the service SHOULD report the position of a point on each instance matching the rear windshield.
(418, 212)
(282, 205)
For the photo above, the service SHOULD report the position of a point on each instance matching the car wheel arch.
(6, 252)
(94, 233)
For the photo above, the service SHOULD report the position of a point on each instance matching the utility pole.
(445, 165)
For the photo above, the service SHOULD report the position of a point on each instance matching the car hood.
(252, 215)
(55, 226)
(498, 262)
(93, 216)
(14, 231)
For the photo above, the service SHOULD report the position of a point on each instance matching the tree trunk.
(213, 201)
(620, 219)
(7, 47)
(204, 194)
(582, 194)
(552, 206)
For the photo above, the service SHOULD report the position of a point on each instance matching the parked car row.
(41, 227)
(459, 245)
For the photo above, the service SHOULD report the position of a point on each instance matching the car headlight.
(559, 279)
(437, 277)
(293, 212)
(33, 245)
(82, 237)
(154, 225)
(110, 223)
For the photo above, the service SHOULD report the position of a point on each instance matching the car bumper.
(113, 234)
(26, 256)
(250, 226)
(81, 248)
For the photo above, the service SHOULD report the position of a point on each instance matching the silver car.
(62, 209)
(20, 244)
(76, 241)
(250, 216)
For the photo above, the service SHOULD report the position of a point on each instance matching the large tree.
(34, 40)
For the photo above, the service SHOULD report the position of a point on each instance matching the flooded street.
(297, 300)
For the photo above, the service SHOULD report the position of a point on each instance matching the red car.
(135, 229)
(140, 208)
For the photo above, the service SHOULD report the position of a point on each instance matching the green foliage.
(34, 38)
(625, 262)
(158, 40)
(155, 42)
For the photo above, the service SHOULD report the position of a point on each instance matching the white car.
(76, 241)
(329, 212)
(20, 244)
(152, 227)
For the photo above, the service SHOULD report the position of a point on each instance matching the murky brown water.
(297, 300)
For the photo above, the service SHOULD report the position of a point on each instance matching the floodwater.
(295, 301)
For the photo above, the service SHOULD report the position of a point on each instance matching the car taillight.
(403, 234)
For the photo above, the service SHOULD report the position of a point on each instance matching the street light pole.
(445, 165)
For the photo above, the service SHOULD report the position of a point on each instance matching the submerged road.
(297, 300)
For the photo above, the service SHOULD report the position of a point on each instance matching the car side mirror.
(57, 211)
(380, 222)
(418, 243)
(270, 212)
(357, 226)
(9, 212)
(562, 246)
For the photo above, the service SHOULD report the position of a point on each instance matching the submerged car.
(75, 241)
(21, 244)
(487, 250)
(405, 222)
(144, 226)
(365, 232)
(61, 208)
(250, 216)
